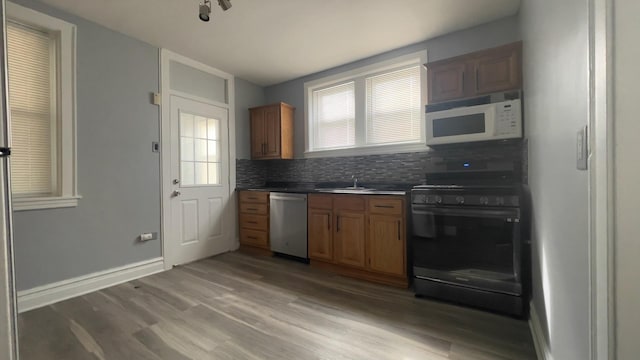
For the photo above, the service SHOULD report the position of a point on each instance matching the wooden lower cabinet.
(320, 236)
(386, 244)
(254, 221)
(349, 239)
(359, 236)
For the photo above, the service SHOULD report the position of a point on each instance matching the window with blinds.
(32, 106)
(393, 107)
(334, 114)
(376, 109)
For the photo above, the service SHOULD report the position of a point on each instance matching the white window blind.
(334, 114)
(31, 105)
(394, 107)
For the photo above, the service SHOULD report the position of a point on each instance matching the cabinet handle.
(252, 222)
(398, 229)
(385, 206)
(252, 198)
(328, 222)
(264, 149)
(252, 209)
(252, 237)
(338, 223)
(477, 87)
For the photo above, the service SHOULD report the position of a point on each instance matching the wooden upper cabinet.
(386, 244)
(272, 131)
(479, 73)
(446, 82)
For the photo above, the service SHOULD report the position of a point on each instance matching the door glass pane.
(186, 149)
(201, 173)
(186, 124)
(214, 173)
(186, 173)
(213, 151)
(214, 129)
(199, 150)
(201, 127)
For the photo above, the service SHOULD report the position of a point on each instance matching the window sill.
(24, 204)
(367, 150)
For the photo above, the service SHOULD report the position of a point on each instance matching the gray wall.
(247, 95)
(481, 37)
(627, 177)
(118, 175)
(556, 87)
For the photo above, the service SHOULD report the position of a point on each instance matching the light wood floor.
(235, 306)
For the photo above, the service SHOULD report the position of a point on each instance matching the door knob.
(176, 193)
(176, 181)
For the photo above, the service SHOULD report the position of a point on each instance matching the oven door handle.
(488, 213)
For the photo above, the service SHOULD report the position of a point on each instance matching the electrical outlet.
(148, 236)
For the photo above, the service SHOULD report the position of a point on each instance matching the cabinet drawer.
(254, 237)
(255, 222)
(320, 201)
(254, 197)
(249, 208)
(389, 206)
(349, 202)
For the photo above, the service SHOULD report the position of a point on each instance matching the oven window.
(465, 247)
(459, 125)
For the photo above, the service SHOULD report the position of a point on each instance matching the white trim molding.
(52, 293)
(64, 176)
(539, 340)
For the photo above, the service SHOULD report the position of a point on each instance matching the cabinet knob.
(176, 193)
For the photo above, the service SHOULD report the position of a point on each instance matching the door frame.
(601, 184)
(166, 56)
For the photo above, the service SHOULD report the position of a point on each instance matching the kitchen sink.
(347, 190)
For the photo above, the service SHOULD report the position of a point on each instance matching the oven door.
(473, 247)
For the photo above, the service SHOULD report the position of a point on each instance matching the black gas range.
(468, 236)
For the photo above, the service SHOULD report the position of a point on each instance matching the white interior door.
(200, 181)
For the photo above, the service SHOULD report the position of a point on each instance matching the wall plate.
(582, 149)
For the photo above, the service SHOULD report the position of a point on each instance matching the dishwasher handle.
(288, 198)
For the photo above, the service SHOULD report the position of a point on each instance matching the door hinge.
(5, 151)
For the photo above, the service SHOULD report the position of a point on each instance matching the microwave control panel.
(508, 118)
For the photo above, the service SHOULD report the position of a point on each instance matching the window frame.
(359, 76)
(64, 176)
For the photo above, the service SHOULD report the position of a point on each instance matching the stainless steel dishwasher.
(288, 224)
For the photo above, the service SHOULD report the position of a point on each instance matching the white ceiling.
(270, 41)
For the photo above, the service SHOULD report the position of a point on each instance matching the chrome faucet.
(355, 181)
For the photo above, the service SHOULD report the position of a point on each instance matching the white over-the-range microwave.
(494, 121)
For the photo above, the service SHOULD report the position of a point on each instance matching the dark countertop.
(333, 188)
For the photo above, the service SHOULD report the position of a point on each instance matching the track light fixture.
(204, 12)
(225, 4)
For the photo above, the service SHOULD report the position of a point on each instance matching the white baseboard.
(51, 293)
(539, 340)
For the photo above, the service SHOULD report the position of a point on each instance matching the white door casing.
(199, 174)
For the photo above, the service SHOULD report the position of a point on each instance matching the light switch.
(582, 149)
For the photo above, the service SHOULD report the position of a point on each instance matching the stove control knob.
(460, 200)
(500, 201)
(438, 200)
(484, 200)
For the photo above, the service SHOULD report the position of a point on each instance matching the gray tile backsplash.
(403, 168)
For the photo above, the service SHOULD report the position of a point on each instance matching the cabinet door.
(257, 134)
(386, 244)
(272, 132)
(446, 81)
(320, 239)
(498, 71)
(349, 239)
